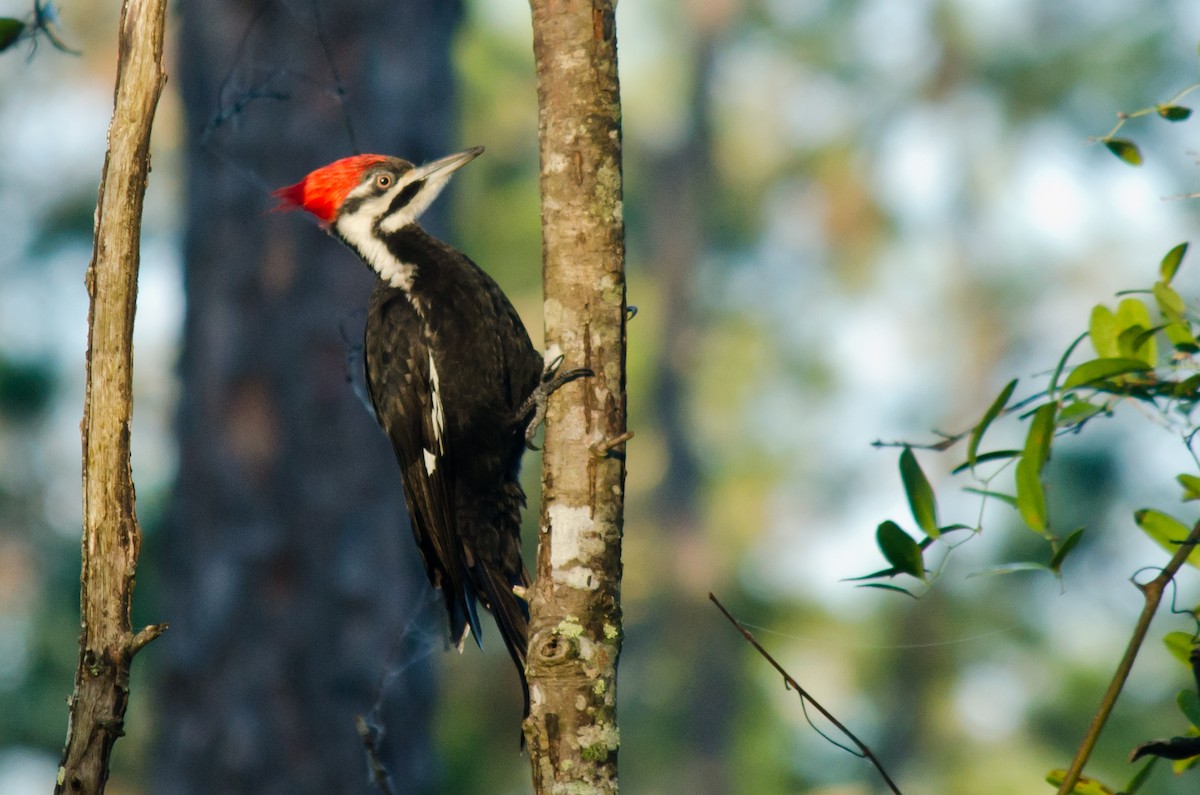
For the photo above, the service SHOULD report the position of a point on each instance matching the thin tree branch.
(863, 749)
(111, 536)
(379, 773)
(145, 635)
(1152, 592)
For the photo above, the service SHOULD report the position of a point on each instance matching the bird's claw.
(537, 401)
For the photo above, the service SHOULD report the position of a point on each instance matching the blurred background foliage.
(846, 221)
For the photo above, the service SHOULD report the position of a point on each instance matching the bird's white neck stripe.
(396, 273)
(356, 230)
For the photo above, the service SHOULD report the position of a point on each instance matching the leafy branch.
(1153, 593)
(1126, 149)
(1146, 354)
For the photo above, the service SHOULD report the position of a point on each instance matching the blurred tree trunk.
(681, 184)
(575, 610)
(291, 577)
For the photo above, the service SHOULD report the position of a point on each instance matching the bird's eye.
(383, 180)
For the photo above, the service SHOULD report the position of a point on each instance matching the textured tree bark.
(575, 628)
(111, 536)
(291, 580)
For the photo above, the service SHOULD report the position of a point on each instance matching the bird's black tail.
(512, 617)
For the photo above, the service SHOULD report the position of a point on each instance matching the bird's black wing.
(521, 366)
(403, 383)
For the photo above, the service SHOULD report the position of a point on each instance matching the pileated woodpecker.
(455, 381)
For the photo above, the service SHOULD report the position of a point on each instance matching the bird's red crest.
(323, 191)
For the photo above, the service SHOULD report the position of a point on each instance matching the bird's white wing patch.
(430, 462)
(437, 414)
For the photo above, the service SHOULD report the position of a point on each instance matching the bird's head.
(366, 196)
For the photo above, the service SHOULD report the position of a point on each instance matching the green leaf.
(1178, 329)
(920, 494)
(10, 31)
(1064, 549)
(1170, 263)
(1180, 646)
(1187, 389)
(1041, 433)
(1189, 705)
(1137, 342)
(1085, 786)
(1174, 112)
(1062, 362)
(1031, 498)
(1077, 413)
(1191, 486)
(1170, 302)
(1100, 369)
(991, 414)
(1125, 149)
(1102, 328)
(900, 550)
(1166, 531)
(983, 458)
(1132, 313)
(1008, 499)
(1009, 568)
(1141, 777)
(1143, 343)
(875, 575)
(883, 586)
(1181, 338)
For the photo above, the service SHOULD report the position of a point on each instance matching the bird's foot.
(537, 401)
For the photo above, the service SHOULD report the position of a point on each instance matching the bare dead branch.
(863, 750)
(111, 536)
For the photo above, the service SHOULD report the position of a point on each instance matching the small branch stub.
(607, 447)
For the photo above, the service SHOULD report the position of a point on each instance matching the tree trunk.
(111, 536)
(575, 627)
(293, 584)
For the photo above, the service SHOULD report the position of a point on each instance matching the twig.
(948, 440)
(379, 774)
(605, 448)
(1152, 591)
(339, 88)
(1123, 116)
(864, 750)
(145, 635)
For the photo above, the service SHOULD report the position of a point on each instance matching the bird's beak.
(442, 168)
